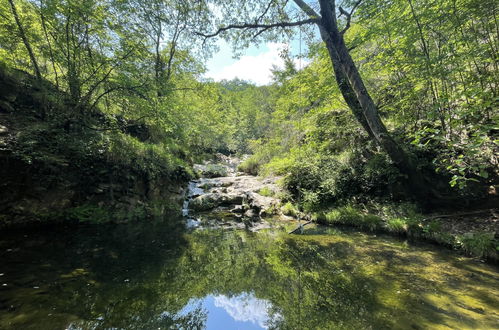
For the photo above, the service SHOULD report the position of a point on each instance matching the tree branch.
(348, 15)
(258, 26)
(264, 12)
(307, 9)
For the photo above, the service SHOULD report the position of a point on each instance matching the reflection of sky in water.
(241, 312)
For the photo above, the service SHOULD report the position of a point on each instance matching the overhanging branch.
(348, 15)
(307, 9)
(264, 27)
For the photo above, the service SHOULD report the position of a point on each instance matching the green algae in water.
(157, 276)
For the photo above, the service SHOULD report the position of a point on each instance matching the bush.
(480, 244)
(320, 181)
(289, 209)
(249, 165)
(396, 225)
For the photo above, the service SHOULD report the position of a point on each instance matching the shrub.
(289, 209)
(396, 225)
(479, 244)
(371, 222)
(249, 165)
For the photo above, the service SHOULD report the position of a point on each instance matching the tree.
(347, 76)
(25, 40)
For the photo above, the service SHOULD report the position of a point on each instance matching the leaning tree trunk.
(360, 101)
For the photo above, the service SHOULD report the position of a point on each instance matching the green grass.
(478, 243)
(396, 225)
(266, 191)
(289, 209)
(410, 223)
(249, 165)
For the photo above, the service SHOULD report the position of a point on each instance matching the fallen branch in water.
(300, 227)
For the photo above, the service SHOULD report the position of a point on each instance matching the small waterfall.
(192, 191)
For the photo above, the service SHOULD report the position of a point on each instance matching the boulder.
(211, 200)
(205, 202)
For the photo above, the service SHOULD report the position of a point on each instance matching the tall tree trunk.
(343, 62)
(51, 53)
(25, 40)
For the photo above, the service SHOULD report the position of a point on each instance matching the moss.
(87, 214)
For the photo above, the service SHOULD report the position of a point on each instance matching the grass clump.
(480, 244)
(289, 209)
(251, 166)
(346, 215)
(266, 191)
(371, 222)
(88, 214)
(396, 225)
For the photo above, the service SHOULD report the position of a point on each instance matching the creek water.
(165, 276)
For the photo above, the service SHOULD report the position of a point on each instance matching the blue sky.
(253, 65)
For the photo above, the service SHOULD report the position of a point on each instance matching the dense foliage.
(433, 71)
(132, 72)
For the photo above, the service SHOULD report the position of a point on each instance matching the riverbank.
(473, 233)
(238, 200)
(79, 165)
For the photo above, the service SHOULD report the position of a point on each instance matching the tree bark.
(25, 40)
(360, 101)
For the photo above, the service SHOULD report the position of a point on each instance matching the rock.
(211, 200)
(205, 202)
(238, 209)
(231, 199)
(3, 130)
(251, 214)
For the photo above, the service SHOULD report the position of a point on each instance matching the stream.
(172, 274)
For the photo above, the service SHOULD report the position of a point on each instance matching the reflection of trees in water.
(142, 278)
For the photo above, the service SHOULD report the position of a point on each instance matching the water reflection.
(155, 276)
(243, 311)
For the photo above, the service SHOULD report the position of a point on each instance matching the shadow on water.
(157, 275)
(94, 276)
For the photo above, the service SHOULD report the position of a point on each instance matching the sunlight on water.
(162, 277)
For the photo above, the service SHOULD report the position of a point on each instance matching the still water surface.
(160, 276)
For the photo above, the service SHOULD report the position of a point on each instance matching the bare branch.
(348, 15)
(258, 26)
(264, 12)
(307, 9)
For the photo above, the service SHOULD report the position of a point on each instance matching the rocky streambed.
(222, 196)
